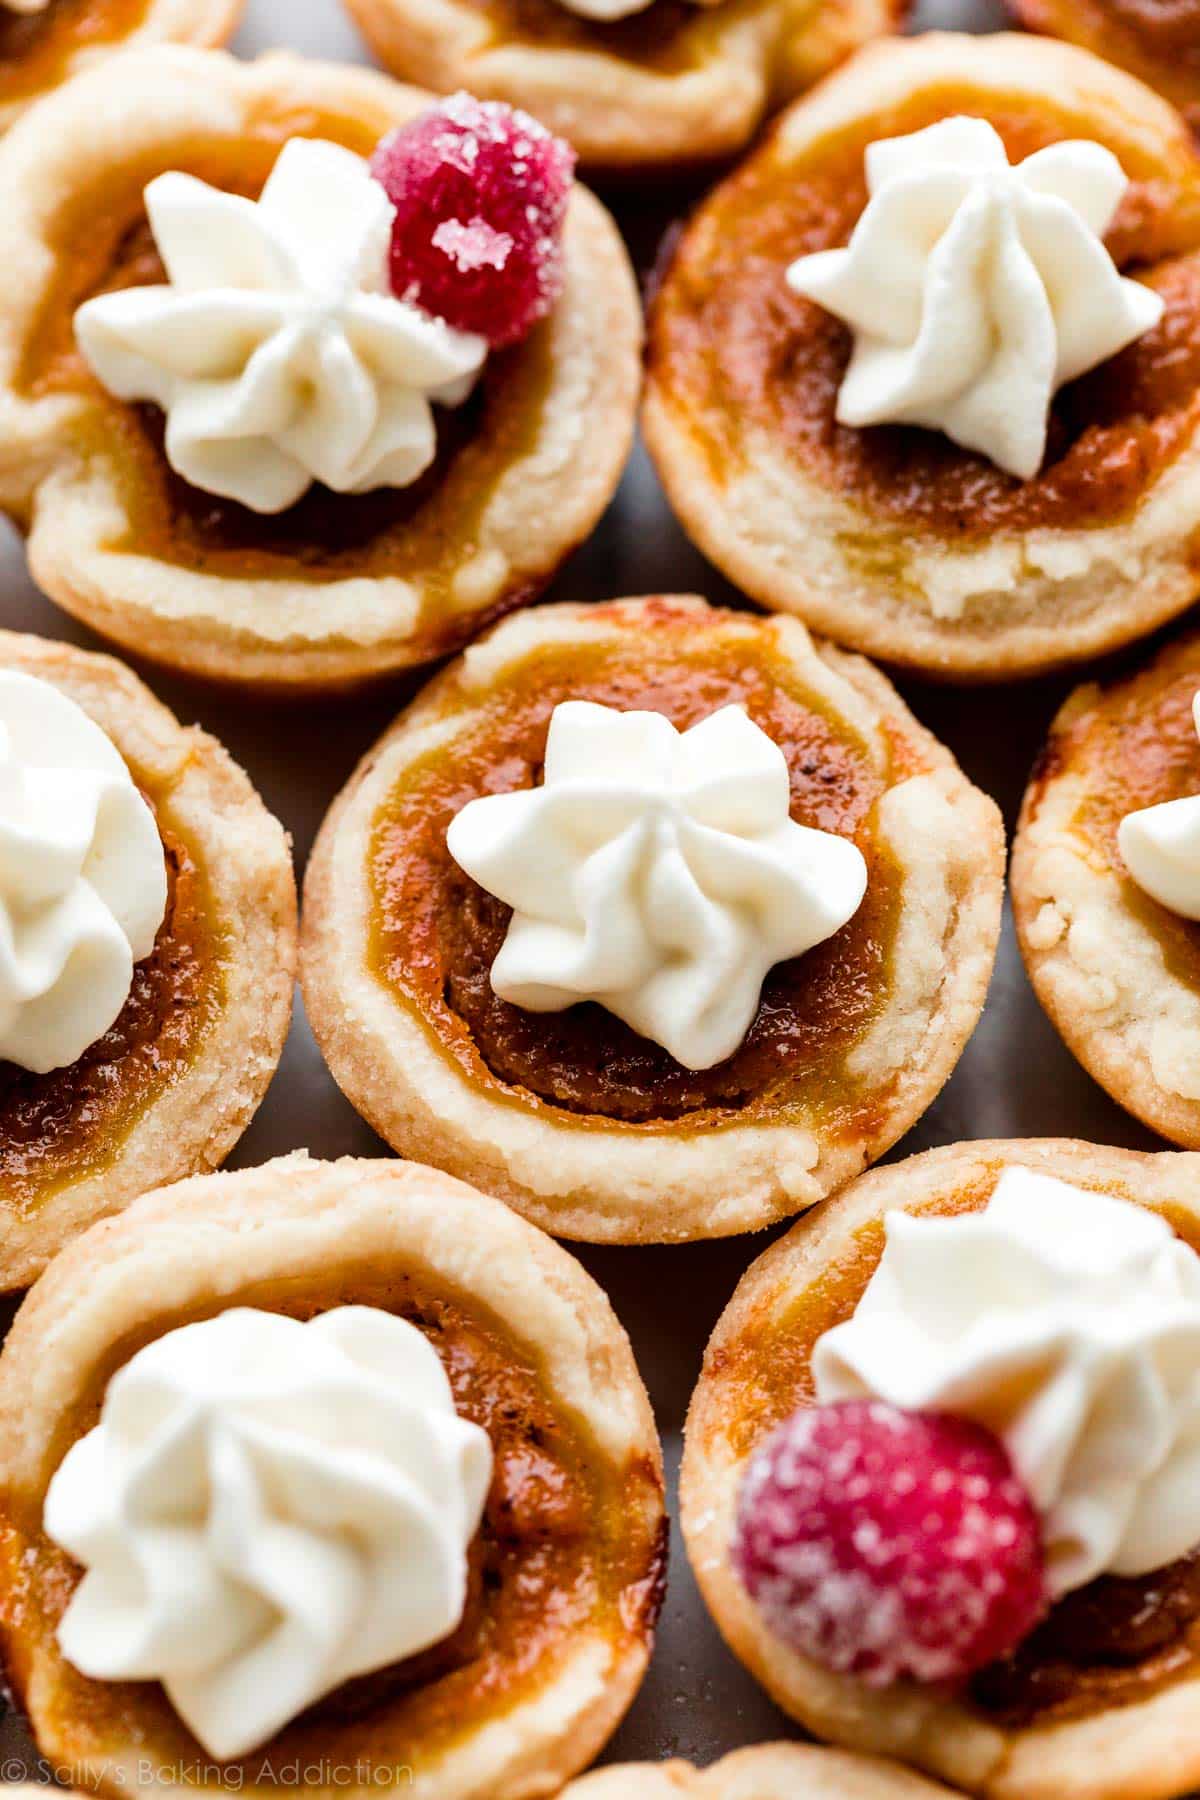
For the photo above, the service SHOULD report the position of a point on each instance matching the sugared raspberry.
(480, 192)
(886, 1544)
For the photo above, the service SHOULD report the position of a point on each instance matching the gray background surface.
(1015, 1079)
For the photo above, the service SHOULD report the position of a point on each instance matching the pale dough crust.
(1098, 969)
(1146, 1750)
(596, 1180)
(1093, 24)
(151, 111)
(226, 1240)
(196, 1120)
(742, 58)
(203, 23)
(765, 1772)
(1008, 604)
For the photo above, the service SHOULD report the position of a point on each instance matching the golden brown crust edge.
(619, 115)
(666, 1186)
(1014, 604)
(1145, 1751)
(1122, 1011)
(217, 1238)
(282, 633)
(1085, 22)
(196, 1121)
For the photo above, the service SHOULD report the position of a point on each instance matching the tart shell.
(585, 1177)
(296, 1225)
(619, 114)
(765, 1772)
(1011, 602)
(203, 23)
(1143, 1750)
(61, 458)
(1121, 1005)
(195, 1121)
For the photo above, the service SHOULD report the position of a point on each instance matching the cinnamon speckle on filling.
(67, 1124)
(740, 353)
(436, 933)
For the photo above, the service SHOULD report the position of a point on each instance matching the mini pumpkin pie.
(766, 1772)
(940, 1480)
(1160, 44)
(45, 42)
(634, 84)
(147, 947)
(382, 1501)
(302, 380)
(1106, 886)
(923, 370)
(656, 920)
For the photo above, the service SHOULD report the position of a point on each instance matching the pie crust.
(414, 1064)
(300, 1236)
(670, 85)
(1161, 46)
(765, 1772)
(895, 541)
(53, 57)
(190, 1121)
(1117, 972)
(316, 599)
(1147, 1748)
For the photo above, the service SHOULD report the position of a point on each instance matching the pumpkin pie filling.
(667, 37)
(1111, 1643)
(37, 48)
(747, 356)
(565, 1541)
(71, 1123)
(426, 532)
(435, 933)
(1135, 747)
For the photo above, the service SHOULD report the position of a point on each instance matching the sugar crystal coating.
(480, 191)
(890, 1545)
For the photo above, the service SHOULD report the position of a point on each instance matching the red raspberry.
(480, 192)
(886, 1544)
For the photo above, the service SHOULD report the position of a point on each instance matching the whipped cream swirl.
(976, 289)
(83, 882)
(267, 1509)
(657, 872)
(1160, 846)
(277, 351)
(25, 6)
(1066, 1322)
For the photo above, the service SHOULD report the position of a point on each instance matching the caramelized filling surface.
(1166, 28)
(70, 1124)
(1135, 747)
(743, 354)
(427, 530)
(566, 1541)
(1108, 1644)
(435, 934)
(37, 48)
(668, 36)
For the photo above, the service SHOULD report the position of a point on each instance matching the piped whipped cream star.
(1160, 846)
(277, 351)
(976, 289)
(657, 872)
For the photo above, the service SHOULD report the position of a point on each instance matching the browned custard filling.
(37, 49)
(435, 934)
(70, 1124)
(1166, 28)
(566, 1541)
(667, 37)
(425, 532)
(1136, 747)
(1108, 1644)
(739, 351)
